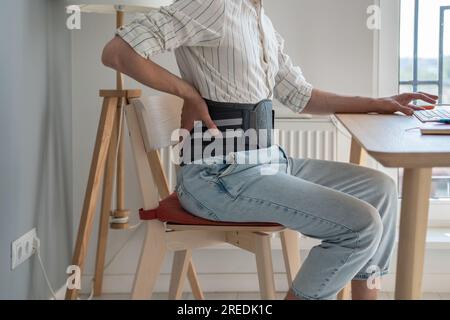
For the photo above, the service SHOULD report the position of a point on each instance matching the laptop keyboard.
(432, 115)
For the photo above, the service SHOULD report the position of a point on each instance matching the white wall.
(35, 142)
(330, 41)
(328, 38)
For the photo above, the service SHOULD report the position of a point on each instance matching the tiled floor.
(255, 296)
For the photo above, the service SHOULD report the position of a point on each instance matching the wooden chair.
(150, 125)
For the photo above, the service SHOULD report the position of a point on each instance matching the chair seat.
(171, 211)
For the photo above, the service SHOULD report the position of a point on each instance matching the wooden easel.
(107, 161)
(106, 154)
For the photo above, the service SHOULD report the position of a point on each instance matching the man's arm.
(295, 92)
(183, 23)
(119, 56)
(322, 102)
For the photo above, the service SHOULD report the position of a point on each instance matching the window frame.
(441, 49)
(386, 83)
(415, 82)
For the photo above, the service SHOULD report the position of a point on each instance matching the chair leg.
(263, 253)
(345, 293)
(150, 262)
(195, 284)
(181, 261)
(291, 253)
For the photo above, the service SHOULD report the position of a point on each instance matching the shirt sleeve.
(291, 88)
(184, 23)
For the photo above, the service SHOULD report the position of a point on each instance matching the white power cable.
(91, 295)
(37, 247)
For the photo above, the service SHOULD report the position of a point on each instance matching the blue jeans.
(351, 209)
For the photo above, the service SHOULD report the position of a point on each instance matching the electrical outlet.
(23, 248)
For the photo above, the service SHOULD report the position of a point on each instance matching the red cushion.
(171, 211)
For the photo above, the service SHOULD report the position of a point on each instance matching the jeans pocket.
(234, 179)
(230, 190)
(227, 171)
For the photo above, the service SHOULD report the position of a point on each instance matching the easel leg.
(108, 186)
(121, 163)
(102, 142)
(120, 211)
(120, 205)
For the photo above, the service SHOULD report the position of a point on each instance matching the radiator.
(313, 144)
(300, 139)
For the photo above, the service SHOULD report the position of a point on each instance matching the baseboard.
(237, 282)
(235, 271)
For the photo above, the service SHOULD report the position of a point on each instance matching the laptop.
(439, 113)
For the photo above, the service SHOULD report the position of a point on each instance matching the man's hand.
(402, 103)
(196, 109)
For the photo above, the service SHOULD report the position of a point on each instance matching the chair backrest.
(151, 122)
(159, 117)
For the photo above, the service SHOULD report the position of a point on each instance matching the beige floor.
(255, 296)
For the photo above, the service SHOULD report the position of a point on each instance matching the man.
(230, 55)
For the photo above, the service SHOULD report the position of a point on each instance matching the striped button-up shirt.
(227, 49)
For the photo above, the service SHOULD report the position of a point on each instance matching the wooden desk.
(389, 140)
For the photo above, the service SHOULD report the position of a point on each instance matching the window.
(425, 62)
(425, 47)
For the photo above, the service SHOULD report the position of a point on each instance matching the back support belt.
(243, 127)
